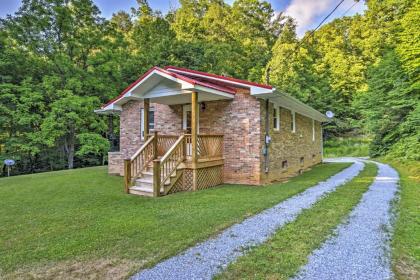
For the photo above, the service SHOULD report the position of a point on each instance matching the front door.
(186, 119)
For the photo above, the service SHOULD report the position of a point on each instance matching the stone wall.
(290, 146)
(115, 163)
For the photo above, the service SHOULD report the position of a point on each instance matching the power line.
(351, 7)
(313, 31)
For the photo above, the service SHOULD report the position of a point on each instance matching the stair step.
(146, 176)
(145, 180)
(145, 191)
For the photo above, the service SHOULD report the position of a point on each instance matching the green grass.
(350, 146)
(283, 254)
(406, 238)
(83, 215)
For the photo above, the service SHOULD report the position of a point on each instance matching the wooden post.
(156, 178)
(146, 109)
(155, 145)
(194, 138)
(127, 174)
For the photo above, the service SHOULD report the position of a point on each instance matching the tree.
(70, 116)
(387, 104)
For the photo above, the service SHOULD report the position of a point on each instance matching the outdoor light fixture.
(203, 106)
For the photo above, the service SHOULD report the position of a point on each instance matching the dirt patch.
(407, 268)
(72, 270)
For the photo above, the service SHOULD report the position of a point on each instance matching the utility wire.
(313, 31)
(351, 7)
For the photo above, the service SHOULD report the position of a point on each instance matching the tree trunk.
(69, 146)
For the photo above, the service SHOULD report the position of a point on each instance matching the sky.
(308, 13)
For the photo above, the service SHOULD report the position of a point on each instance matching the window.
(293, 123)
(276, 118)
(284, 164)
(313, 130)
(302, 160)
(151, 121)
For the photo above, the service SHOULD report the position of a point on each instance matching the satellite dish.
(329, 114)
(9, 162)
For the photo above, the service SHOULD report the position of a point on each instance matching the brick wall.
(290, 146)
(168, 120)
(239, 121)
(242, 121)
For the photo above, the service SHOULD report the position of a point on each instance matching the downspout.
(267, 136)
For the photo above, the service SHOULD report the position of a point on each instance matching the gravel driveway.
(360, 247)
(206, 259)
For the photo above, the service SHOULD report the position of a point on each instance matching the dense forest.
(60, 60)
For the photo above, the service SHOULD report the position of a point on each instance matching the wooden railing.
(166, 166)
(138, 162)
(164, 143)
(173, 150)
(208, 146)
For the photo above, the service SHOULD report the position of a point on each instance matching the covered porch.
(171, 160)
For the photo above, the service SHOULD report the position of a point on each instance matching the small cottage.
(183, 130)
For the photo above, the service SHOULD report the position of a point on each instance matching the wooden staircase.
(162, 160)
(155, 168)
(143, 184)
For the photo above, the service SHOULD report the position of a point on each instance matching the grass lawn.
(80, 224)
(349, 146)
(406, 239)
(283, 254)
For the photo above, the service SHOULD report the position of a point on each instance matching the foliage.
(83, 215)
(288, 249)
(346, 146)
(387, 104)
(60, 60)
(365, 69)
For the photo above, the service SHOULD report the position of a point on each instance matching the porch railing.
(208, 146)
(165, 167)
(138, 162)
(167, 152)
(164, 143)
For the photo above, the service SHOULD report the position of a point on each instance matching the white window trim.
(185, 109)
(277, 110)
(293, 121)
(313, 130)
(142, 122)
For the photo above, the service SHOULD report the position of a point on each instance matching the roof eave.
(293, 104)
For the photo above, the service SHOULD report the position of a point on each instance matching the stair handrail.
(163, 168)
(141, 149)
(137, 163)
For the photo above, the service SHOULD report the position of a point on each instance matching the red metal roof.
(229, 79)
(202, 81)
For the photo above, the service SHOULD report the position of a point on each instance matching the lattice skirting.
(206, 177)
(209, 177)
(184, 183)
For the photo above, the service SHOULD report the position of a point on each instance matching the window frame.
(276, 117)
(313, 130)
(293, 126)
(151, 124)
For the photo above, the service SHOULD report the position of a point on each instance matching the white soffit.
(292, 104)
